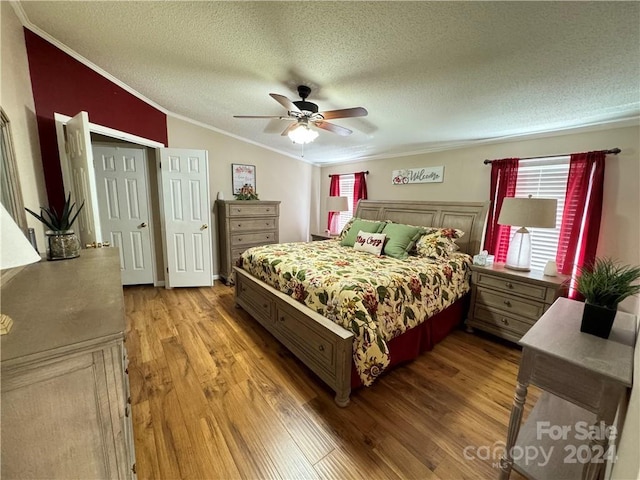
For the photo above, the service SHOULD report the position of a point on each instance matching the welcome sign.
(418, 175)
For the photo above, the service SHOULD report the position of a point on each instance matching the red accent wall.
(62, 84)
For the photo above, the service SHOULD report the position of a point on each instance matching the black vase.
(597, 320)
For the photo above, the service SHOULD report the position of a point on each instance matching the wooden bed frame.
(322, 345)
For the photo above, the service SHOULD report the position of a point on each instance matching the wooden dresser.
(65, 390)
(507, 303)
(243, 224)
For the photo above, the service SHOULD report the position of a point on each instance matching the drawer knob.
(267, 210)
(239, 239)
(509, 285)
(505, 321)
(321, 348)
(507, 303)
(265, 306)
(282, 319)
(239, 225)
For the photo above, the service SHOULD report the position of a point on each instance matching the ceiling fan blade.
(333, 128)
(285, 102)
(281, 117)
(289, 128)
(345, 113)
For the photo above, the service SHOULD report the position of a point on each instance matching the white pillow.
(369, 242)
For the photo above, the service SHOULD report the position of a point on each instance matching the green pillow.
(360, 225)
(401, 239)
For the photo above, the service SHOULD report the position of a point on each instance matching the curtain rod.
(365, 172)
(613, 151)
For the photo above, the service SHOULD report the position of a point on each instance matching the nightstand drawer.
(509, 304)
(254, 210)
(502, 321)
(252, 238)
(252, 224)
(537, 292)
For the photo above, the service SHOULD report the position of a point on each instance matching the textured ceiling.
(431, 74)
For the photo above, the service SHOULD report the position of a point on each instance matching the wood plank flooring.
(216, 397)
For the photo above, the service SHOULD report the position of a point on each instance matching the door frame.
(133, 141)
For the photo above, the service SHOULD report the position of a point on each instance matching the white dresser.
(65, 392)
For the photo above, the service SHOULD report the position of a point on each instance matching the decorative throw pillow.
(369, 242)
(358, 225)
(400, 239)
(438, 243)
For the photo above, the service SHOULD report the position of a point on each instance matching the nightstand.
(321, 236)
(507, 303)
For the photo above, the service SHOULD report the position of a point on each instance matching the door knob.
(143, 225)
(204, 227)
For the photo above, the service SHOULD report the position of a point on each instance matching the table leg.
(506, 462)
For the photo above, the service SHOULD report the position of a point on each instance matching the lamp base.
(519, 254)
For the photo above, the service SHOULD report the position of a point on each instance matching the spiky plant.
(58, 222)
(606, 283)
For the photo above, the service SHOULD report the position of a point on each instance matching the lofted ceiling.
(433, 75)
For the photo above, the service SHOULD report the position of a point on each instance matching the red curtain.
(334, 191)
(504, 176)
(359, 188)
(582, 211)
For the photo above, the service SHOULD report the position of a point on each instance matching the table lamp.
(337, 204)
(525, 212)
(15, 251)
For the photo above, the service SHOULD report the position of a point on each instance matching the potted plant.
(604, 284)
(62, 242)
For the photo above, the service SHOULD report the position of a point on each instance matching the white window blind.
(544, 179)
(346, 190)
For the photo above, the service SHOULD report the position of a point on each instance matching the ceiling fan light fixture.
(302, 134)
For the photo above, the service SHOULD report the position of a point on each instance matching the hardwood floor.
(214, 396)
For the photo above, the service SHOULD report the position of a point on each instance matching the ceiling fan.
(303, 114)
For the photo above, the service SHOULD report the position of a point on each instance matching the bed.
(340, 358)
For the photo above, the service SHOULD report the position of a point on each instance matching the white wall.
(16, 98)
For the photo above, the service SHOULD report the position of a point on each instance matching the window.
(346, 190)
(544, 178)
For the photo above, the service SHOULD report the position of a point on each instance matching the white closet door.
(184, 188)
(124, 209)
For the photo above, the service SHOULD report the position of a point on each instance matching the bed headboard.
(469, 217)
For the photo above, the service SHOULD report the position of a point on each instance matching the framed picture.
(243, 175)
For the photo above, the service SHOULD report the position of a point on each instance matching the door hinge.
(167, 269)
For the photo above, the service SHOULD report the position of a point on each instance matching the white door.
(123, 202)
(83, 178)
(186, 215)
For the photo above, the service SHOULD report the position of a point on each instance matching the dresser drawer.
(509, 304)
(495, 318)
(253, 210)
(308, 341)
(252, 224)
(260, 238)
(537, 292)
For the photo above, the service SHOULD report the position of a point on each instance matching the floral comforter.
(376, 298)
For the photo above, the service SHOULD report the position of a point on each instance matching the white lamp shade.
(15, 248)
(337, 204)
(529, 212)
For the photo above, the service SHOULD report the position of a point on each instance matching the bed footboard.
(323, 346)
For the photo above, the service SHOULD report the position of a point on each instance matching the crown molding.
(633, 121)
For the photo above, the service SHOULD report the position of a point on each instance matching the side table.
(583, 378)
